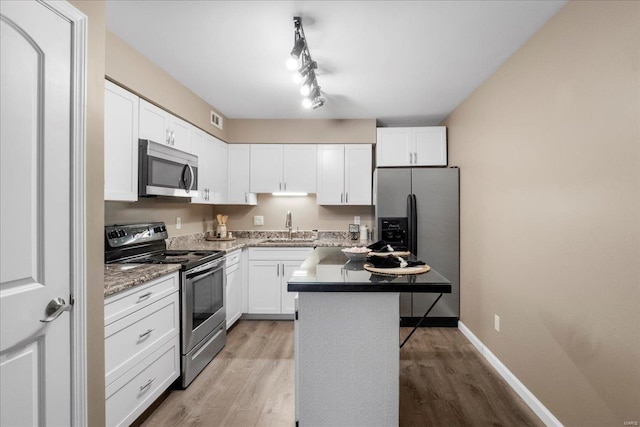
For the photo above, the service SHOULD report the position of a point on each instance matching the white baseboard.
(536, 406)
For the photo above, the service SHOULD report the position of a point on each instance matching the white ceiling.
(401, 62)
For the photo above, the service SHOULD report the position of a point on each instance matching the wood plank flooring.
(443, 382)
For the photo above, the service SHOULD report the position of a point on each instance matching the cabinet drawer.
(121, 304)
(280, 254)
(131, 394)
(233, 258)
(132, 338)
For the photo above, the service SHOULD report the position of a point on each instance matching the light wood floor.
(443, 382)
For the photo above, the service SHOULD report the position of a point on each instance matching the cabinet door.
(394, 147)
(264, 287)
(358, 174)
(430, 146)
(238, 173)
(288, 298)
(219, 165)
(120, 144)
(299, 170)
(180, 131)
(154, 123)
(197, 139)
(266, 168)
(233, 304)
(330, 174)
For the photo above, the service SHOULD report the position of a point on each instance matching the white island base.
(347, 359)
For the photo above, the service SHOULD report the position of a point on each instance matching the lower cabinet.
(269, 271)
(142, 347)
(233, 291)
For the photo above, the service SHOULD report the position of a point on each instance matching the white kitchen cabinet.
(238, 175)
(269, 271)
(205, 178)
(283, 167)
(120, 143)
(212, 168)
(219, 169)
(163, 127)
(412, 146)
(142, 347)
(233, 303)
(344, 174)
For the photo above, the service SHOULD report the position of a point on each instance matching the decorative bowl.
(356, 254)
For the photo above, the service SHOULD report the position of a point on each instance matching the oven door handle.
(214, 265)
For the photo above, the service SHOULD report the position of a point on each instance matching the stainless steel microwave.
(165, 171)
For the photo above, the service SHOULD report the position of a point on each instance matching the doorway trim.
(78, 272)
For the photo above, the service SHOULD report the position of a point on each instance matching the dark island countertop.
(328, 270)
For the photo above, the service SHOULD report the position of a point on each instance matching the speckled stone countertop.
(120, 277)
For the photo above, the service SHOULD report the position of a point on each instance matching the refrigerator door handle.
(410, 223)
(414, 224)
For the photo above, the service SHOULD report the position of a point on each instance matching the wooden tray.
(395, 253)
(221, 239)
(398, 271)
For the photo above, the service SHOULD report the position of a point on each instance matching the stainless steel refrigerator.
(430, 200)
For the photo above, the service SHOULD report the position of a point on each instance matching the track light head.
(317, 103)
(298, 46)
(307, 66)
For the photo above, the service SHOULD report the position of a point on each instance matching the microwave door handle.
(192, 177)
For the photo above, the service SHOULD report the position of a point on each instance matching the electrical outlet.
(258, 220)
(178, 223)
(496, 322)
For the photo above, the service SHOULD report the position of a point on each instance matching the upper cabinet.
(238, 175)
(160, 126)
(212, 167)
(120, 143)
(414, 146)
(344, 174)
(283, 167)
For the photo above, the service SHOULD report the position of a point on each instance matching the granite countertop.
(328, 270)
(120, 277)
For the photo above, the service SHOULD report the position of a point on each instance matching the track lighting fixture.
(303, 64)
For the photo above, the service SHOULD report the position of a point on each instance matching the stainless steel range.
(202, 288)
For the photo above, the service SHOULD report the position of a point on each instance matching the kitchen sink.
(285, 240)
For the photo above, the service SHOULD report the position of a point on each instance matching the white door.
(264, 287)
(219, 165)
(431, 146)
(238, 169)
(180, 131)
(36, 138)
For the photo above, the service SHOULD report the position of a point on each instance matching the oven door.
(203, 302)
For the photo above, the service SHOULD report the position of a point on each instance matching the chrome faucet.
(288, 225)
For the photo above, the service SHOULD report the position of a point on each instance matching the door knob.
(54, 309)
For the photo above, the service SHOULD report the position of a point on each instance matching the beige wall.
(302, 131)
(95, 11)
(128, 68)
(548, 149)
(193, 217)
(307, 215)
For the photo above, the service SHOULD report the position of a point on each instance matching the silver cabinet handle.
(285, 186)
(280, 186)
(410, 157)
(144, 296)
(415, 157)
(346, 198)
(168, 137)
(341, 197)
(278, 270)
(142, 387)
(245, 198)
(173, 138)
(54, 309)
(146, 333)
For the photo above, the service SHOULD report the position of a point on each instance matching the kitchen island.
(347, 340)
